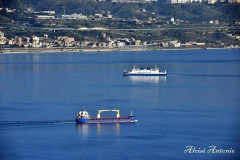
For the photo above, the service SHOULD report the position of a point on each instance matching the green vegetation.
(195, 12)
(191, 20)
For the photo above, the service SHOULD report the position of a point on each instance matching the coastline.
(97, 49)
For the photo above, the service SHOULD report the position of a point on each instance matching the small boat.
(84, 117)
(145, 72)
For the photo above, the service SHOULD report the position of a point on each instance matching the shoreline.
(79, 50)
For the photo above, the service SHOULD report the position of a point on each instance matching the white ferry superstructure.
(145, 72)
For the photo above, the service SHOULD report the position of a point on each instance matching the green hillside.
(189, 12)
(192, 21)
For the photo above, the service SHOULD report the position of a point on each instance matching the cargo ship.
(145, 72)
(84, 117)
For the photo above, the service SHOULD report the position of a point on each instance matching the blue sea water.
(197, 104)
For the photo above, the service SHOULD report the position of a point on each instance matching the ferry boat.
(145, 72)
(84, 117)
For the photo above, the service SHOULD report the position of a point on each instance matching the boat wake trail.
(172, 75)
(201, 75)
(9, 124)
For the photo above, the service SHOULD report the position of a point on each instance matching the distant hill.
(192, 12)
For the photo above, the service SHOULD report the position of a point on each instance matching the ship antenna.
(131, 113)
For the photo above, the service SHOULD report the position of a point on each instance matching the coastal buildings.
(2, 38)
(63, 41)
(77, 16)
(133, 31)
(108, 42)
(72, 16)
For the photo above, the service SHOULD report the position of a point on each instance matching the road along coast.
(75, 49)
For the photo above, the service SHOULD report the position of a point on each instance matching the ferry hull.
(129, 119)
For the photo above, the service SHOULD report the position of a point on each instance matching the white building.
(212, 1)
(174, 44)
(44, 17)
(2, 35)
(120, 44)
(77, 16)
(45, 12)
(98, 16)
(109, 16)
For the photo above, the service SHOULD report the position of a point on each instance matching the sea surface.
(192, 113)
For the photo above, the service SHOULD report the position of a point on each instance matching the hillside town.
(50, 29)
(110, 43)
